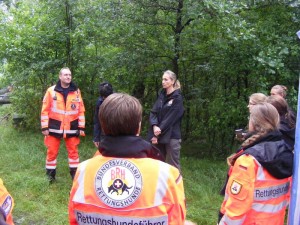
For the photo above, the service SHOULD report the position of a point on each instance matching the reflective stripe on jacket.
(62, 119)
(127, 191)
(253, 196)
(6, 204)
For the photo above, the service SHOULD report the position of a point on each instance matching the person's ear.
(139, 129)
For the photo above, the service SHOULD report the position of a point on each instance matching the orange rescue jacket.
(63, 119)
(253, 196)
(127, 191)
(6, 204)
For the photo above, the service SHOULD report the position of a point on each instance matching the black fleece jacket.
(167, 113)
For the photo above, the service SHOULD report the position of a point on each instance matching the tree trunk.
(68, 34)
(178, 30)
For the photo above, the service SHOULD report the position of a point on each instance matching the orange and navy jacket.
(127, 190)
(6, 204)
(63, 118)
(258, 187)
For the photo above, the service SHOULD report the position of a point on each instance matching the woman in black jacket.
(165, 119)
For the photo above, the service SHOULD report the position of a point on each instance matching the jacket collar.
(59, 88)
(125, 147)
(271, 136)
(173, 94)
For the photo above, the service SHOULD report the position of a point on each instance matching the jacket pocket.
(54, 124)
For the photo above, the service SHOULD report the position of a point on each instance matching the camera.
(239, 133)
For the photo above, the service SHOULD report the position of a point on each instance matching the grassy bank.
(36, 202)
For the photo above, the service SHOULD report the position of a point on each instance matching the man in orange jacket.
(128, 183)
(62, 116)
(6, 206)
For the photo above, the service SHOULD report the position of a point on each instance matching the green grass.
(36, 202)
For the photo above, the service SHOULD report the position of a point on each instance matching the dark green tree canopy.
(222, 52)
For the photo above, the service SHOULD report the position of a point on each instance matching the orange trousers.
(53, 144)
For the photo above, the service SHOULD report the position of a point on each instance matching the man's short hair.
(120, 114)
(105, 89)
(64, 68)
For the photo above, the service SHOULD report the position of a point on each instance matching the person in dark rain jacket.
(287, 120)
(105, 89)
(165, 119)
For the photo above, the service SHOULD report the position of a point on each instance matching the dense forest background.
(221, 50)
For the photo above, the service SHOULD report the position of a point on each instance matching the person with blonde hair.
(257, 191)
(165, 119)
(280, 90)
(255, 99)
(127, 183)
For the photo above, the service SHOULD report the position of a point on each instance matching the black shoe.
(51, 175)
(51, 179)
(73, 172)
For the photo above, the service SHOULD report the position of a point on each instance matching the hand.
(45, 132)
(230, 161)
(240, 138)
(81, 133)
(154, 140)
(156, 130)
(96, 143)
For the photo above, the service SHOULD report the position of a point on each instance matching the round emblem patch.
(73, 106)
(118, 183)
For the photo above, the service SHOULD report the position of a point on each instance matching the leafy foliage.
(222, 51)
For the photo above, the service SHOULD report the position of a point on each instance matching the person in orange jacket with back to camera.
(62, 116)
(6, 206)
(128, 183)
(257, 191)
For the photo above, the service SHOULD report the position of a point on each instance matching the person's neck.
(170, 90)
(63, 85)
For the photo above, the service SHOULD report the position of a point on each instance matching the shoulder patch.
(235, 187)
(7, 205)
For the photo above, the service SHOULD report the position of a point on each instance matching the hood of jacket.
(273, 154)
(128, 147)
(287, 131)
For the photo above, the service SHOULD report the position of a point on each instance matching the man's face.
(65, 77)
